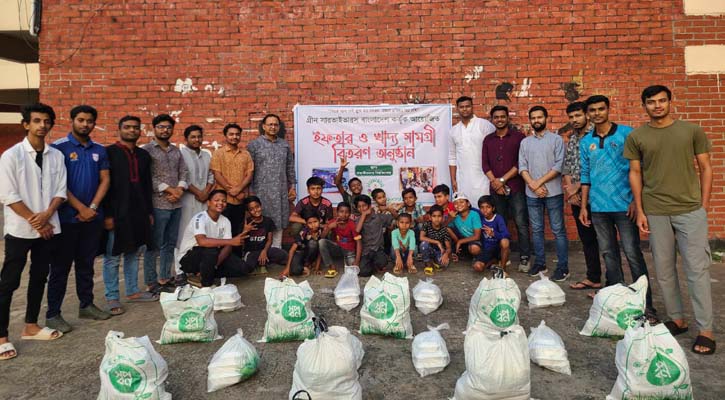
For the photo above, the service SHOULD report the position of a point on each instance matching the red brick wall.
(125, 57)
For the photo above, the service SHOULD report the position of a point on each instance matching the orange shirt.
(235, 164)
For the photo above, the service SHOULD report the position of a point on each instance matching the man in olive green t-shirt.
(671, 205)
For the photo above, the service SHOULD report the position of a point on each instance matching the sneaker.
(534, 271)
(93, 312)
(180, 280)
(524, 265)
(560, 276)
(58, 323)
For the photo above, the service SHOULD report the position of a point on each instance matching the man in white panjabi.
(465, 146)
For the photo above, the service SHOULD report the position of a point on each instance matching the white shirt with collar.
(22, 180)
(465, 149)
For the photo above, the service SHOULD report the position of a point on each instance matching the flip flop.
(115, 304)
(4, 348)
(45, 334)
(331, 273)
(412, 270)
(581, 285)
(675, 329)
(145, 297)
(704, 341)
(428, 270)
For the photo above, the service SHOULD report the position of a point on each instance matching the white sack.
(430, 354)
(386, 309)
(616, 308)
(289, 316)
(547, 349)
(495, 304)
(544, 293)
(226, 297)
(427, 296)
(237, 360)
(189, 314)
(347, 292)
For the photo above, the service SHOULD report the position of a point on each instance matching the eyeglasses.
(134, 127)
(164, 127)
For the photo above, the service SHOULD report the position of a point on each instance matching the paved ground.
(68, 368)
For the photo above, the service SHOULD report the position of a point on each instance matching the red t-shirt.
(344, 235)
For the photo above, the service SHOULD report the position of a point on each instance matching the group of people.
(198, 217)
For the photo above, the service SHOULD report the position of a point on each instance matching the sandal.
(143, 297)
(704, 341)
(397, 270)
(676, 329)
(6, 348)
(114, 307)
(44, 334)
(331, 273)
(412, 270)
(428, 270)
(581, 285)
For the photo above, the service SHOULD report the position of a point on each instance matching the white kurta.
(465, 147)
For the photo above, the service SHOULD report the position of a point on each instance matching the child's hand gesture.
(332, 224)
(488, 231)
(248, 227)
(343, 163)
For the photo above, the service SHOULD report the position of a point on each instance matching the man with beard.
(672, 202)
(605, 187)
(170, 178)
(500, 161)
(541, 156)
(80, 218)
(464, 151)
(128, 212)
(572, 194)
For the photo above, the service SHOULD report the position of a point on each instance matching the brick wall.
(246, 58)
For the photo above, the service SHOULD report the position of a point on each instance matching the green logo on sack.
(627, 318)
(662, 371)
(294, 311)
(125, 378)
(191, 321)
(382, 308)
(503, 315)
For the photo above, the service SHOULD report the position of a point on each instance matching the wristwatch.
(93, 206)
(501, 180)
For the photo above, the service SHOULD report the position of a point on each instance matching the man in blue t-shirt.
(80, 217)
(605, 185)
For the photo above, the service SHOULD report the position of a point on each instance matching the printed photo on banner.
(328, 174)
(421, 179)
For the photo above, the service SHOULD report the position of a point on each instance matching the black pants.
(235, 214)
(203, 259)
(275, 255)
(371, 261)
(77, 243)
(16, 254)
(588, 236)
(307, 256)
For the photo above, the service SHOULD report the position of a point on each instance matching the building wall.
(233, 61)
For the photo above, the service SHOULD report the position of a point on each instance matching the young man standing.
(128, 213)
(81, 219)
(501, 164)
(464, 151)
(32, 187)
(170, 179)
(577, 113)
(672, 203)
(605, 187)
(541, 157)
(233, 169)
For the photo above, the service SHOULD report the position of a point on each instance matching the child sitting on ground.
(313, 202)
(435, 241)
(304, 255)
(355, 186)
(466, 227)
(495, 238)
(258, 251)
(404, 247)
(371, 226)
(345, 241)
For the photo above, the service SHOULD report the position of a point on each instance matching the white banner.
(393, 147)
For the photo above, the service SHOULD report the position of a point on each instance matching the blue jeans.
(430, 252)
(110, 271)
(514, 206)
(166, 230)
(607, 224)
(554, 207)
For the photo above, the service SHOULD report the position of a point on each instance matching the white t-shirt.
(202, 224)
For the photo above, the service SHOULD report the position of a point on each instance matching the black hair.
(442, 188)
(128, 118)
(282, 130)
(217, 191)
(364, 198)
(407, 191)
(376, 192)
(655, 89)
(576, 106)
(353, 179)
(37, 108)
(227, 127)
(315, 181)
(163, 118)
(434, 208)
(344, 204)
(464, 98)
(251, 199)
(486, 200)
(539, 108)
(597, 98)
(83, 108)
(192, 128)
(308, 213)
(405, 215)
(499, 108)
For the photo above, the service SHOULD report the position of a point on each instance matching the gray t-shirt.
(373, 231)
(539, 155)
